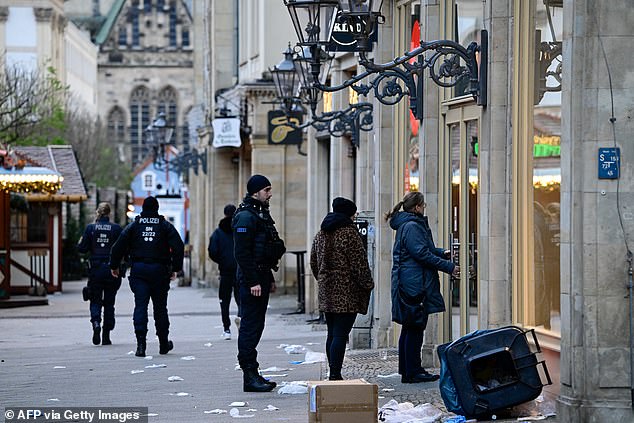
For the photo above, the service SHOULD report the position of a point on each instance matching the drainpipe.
(630, 287)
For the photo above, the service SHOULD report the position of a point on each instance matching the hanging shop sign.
(343, 33)
(283, 129)
(226, 132)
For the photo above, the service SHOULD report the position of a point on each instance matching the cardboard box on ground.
(342, 401)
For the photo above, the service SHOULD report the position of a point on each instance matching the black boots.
(96, 333)
(140, 344)
(105, 339)
(165, 345)
(424, 376)
(253, 382)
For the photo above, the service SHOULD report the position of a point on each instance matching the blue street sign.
(609, 163)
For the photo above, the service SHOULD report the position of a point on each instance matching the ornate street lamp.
(354, 118)
(159, 134)
(449, 63)
(286, 80)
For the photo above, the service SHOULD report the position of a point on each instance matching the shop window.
(29, 223)
(546, 136)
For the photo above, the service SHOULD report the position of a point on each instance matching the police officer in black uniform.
(97, 240)
(257, 249)
(156, 254)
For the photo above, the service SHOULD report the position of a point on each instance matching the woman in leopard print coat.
(339, 262)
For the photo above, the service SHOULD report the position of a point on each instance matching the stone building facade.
(238, 46)
(518, 188)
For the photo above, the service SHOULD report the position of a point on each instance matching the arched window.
(116, 126)
(139, 120)
(173, 22)
(167, 100)
(134, 18)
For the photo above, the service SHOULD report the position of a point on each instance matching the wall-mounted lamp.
(159, 134)
(449, 63)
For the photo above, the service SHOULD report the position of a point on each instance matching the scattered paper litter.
(53, 399)
(208, 344)
(387, 389)
(134, 372)
(535, 418)
(390, 375)
(312, 343)
(237, 367)
(174, 379)
(314, 357)
(274, 369)
(148, 357)
(216, 411)
(275, 375)
(181, 394)
(235, 413)
(393, 412)
(294, 387)
(130, 352)
(238, 404)
(295, 349)
(155, 366)
(270, 408)
(252, 410)
(188, 358)
(59, 367)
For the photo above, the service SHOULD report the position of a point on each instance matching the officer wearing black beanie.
(257, 249)
(156, 253)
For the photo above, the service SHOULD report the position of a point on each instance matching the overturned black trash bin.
(490, 370)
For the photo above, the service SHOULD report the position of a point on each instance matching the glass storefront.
(547, 164)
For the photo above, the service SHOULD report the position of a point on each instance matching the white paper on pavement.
(294, 387)
(216, 411)
(134, 372)
(295, 349)
(270, 408)
(314, 357)
(390, 375)
(155, 366)
(393, 412)
(174, 379)
(238, 404)
(235, 413)
(274, 369)
(188, 358)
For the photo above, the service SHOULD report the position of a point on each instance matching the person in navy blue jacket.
(415, 282)
(156, 254)
(220, 250)
(97, 240)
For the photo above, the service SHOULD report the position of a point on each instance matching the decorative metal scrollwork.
(355, 118)
(181, 163)
(449, 64)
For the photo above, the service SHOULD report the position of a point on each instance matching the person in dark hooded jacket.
(221, 251)
(339, 262)
(415, 282)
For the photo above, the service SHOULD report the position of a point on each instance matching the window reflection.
(547, 165)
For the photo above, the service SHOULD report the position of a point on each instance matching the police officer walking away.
(220, 250)
(156, 254)
(258, 249)
(97, 240)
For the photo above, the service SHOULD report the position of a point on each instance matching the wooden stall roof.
(62, 159)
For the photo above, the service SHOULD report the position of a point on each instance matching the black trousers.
(253, 314)
(410, 344)
(150, 282)
(339, 327)
(228, 285)
(103, 292)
